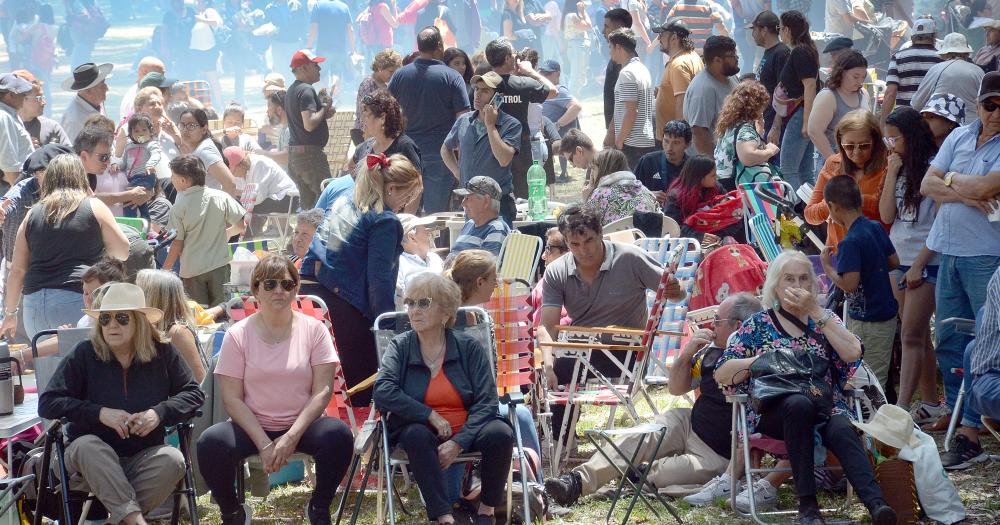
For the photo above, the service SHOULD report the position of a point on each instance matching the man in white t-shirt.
(417, 256)
(146, 65)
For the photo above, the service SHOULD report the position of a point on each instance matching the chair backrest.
(665, 249)
(199, 90)
(339, 143)
(519, 256)
(138, 223)
(255, 246)
(390, 324)
(624, 223)
(512, 333)
(754, 205)
(670, 227)
(45, 366)
(628, 236)
(762, 234)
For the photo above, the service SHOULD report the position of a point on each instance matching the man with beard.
(709, 89)
(276, 117)
(675, 41)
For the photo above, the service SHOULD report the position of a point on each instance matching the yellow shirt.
(678, 74)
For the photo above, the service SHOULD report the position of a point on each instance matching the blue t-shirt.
(866, 249)
(555, 108)
(343, 185)
(332, 18)
(470, 138)
(487, 237)
(430, 94)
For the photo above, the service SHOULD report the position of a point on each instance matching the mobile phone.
(497, 100)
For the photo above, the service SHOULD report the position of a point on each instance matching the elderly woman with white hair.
(795, 321)
(119, 390)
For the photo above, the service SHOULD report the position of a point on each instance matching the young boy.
(864, 258)
(204, 219)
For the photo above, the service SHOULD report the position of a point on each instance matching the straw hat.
(124, 297)
(891, 425)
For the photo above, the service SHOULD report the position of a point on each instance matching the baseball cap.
(480, 185)
(156, 79)
(410, 222)
(14, 84)
(25, 74)
(490, 78)
(990, 86)
(549, 66)
(674, 25)
(303, 57)
(841, 42)
(234, 155)
(924, 26)
(765, 19)
(946, 105)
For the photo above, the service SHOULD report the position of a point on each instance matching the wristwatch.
(949, 178)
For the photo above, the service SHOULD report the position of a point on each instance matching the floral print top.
(761, 333)
(725, 150)
(619, 195)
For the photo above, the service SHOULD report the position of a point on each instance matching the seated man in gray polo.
(487, 140)
(600, 283)
(484, 228)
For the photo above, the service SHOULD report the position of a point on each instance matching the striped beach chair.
(519, 256)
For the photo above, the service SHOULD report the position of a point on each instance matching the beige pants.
(123, 485)
(682, 459)
(877, 338)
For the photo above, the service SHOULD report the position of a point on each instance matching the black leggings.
(495, 441)
(792, 420)
(225, 445)
(355, 341)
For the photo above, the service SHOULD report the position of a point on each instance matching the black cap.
(674, 25)
(765, 19)
(841, 42)
(990, 86)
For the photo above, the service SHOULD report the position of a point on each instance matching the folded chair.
(519, 256)
(199, 90)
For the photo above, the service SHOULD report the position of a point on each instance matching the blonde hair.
(370, 188)
(866, 121)
(385, 59)
(144, 95)
(144, 338)
(164, 290)
(468, 267)
(777, 268)
(443, 292)
(64, 188)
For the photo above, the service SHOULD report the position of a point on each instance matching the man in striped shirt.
(700, 17)
(909, 66)
(631, 130)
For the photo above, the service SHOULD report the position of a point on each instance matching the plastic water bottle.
(538, 203)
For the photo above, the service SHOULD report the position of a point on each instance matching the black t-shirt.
(655, 172)
(800, 64)
(301, 97)
(610, 79)
(517, 92)
(402, 144)
(711, 416)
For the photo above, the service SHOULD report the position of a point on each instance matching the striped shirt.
(986, 358)
(489, 236)
(635, 85)
(907, 69)
(700, 18)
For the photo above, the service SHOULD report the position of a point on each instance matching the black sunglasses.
(122, 318)
(989, 106)
(104, 158)
(270, 284)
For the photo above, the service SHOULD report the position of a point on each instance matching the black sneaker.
(565, 489)
(318, 515)
(963, 454)
(242, 516)
(811, 517)
(635, 473)
(883, 515)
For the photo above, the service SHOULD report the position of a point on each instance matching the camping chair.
(45, 366)
(256, 246)
(963, 327)
(624, 223)
(199, 90)
(519, 256)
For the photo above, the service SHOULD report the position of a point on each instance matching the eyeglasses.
(190, 126)
(420, 304)
(38, 98)
(122, 318)
(989, 106)
(864, 146)
(269, 284)
(890, 142)
(717, 319)
(105, 157)
(550, 247)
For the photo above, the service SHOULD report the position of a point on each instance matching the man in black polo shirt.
(521, 86)
(308, 132)
(616, 18)
(764, 29)
(658, 169)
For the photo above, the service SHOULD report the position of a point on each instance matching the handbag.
(784, 105)
(783, 372)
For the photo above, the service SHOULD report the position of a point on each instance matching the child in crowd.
(865, 256)
(204, 220)
(693, 190)
(139, 160)
(232, 129)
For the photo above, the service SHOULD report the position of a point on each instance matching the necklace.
(270, 337)
(433, 363)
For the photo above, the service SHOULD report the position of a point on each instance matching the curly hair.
(846, 62)
(745, 104)
(381, 103)
(385, 59)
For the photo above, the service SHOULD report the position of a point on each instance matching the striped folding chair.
(761, 228)
(199, 90)
(519, 256)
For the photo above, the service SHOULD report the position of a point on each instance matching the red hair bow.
(377, 160)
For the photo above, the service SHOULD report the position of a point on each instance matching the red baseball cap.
(303, 57)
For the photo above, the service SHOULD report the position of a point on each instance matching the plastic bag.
(242, 265)
(938, 496)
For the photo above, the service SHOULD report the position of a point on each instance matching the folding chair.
(249, 128)
(624, 223)
(339, 143)
(628, 236)
(256, 246)
(964, 327)
(762, 234)
(519, 256)
(138, 223)
(199, 90)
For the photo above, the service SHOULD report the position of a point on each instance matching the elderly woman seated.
(275, 374)
(797, 322)
(438, 390)
(119, 390)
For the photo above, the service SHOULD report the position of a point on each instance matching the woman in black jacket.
(439, 392)
(119, 391)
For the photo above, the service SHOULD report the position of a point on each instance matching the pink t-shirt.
(277, 379)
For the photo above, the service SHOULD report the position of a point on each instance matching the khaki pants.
(207, 289)
(877, 338)
(683, 458)
(308, 167)
(123, 485)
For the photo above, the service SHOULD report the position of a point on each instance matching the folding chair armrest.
(737, 398)
(512, 398)
(961, 326)
(362, 386)
(186, 424)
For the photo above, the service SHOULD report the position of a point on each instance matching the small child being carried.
(139, 161)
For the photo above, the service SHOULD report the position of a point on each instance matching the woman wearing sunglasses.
(275, 374)
(438, 391)
(119, 390)
(861, 155)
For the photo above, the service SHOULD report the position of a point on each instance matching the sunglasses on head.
(122, 318)
(269, 284)
(989, 105)
(421, 304)
(864, 146)
(890, 142)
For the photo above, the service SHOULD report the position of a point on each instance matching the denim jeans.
(50, 308)
(438, 183)
(960, 292)
(796, 152)
(984, 397)
(970, 415)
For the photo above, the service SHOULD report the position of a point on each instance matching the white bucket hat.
(891, 425)
(123, 297)
(954, 43)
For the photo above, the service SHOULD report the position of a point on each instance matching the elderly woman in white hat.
(119, 390)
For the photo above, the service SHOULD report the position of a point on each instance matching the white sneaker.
(719, 487)
(925, 413)
(765, 497)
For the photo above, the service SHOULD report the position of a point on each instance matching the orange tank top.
(445, 400)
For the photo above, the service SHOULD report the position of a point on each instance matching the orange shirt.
(442, 397)
(817, 212)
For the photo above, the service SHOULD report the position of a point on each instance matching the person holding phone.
(491, 158)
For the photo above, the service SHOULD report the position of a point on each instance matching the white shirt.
(272, 181)
(169, 150)
(203, 33)
(15, 143)
(411, 265)
(75, 115)
(128, 101)
(117, 182)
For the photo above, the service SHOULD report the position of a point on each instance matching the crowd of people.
(900, 178)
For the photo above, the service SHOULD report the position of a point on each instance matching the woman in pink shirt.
(275, 374)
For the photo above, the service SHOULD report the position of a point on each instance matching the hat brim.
(986, 96)
(103, 72)
(153, 315)
(943, 114)
(880, 433)
(461, 191)
(947, 50)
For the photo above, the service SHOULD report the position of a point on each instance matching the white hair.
(777, 268)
